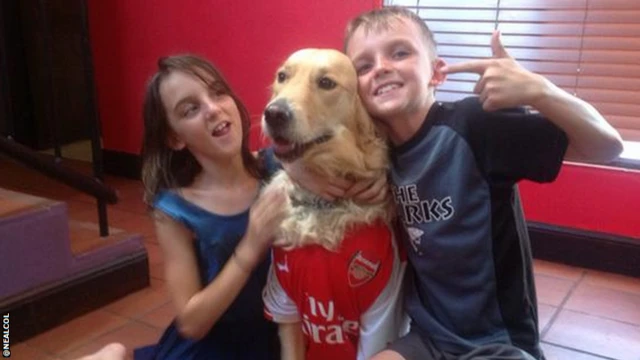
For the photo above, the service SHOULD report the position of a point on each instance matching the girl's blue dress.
(242, 332)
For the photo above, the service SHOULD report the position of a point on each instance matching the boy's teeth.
(386, 88)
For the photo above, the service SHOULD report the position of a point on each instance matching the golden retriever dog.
(316, 117)
(334, 283)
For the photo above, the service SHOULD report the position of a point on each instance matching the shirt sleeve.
(170, 204)
(271, 164)
(278, 307)
(515, 144)
(385, 321)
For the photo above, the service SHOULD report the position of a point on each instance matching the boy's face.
(395, 70)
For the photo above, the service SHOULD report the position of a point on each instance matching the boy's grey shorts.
(411, 347)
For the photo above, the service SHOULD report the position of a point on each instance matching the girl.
(201, 180)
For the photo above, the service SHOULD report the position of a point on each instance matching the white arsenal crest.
(361, 270)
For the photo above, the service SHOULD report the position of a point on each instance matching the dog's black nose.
(277, 114)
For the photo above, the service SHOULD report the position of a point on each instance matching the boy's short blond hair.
(384, 18)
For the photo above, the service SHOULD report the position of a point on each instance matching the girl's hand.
(369, 191)
(265, 217)
(328, 189)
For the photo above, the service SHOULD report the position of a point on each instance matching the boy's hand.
(368, 191)
(329, 190)
(503, 82)
(365, 192)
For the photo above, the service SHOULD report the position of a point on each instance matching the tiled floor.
(584, 314)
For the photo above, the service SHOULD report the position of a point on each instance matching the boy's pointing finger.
(473, 66)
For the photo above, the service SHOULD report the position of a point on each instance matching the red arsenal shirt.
(347, 300)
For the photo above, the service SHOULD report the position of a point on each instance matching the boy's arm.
(504, 84)
(591, 137)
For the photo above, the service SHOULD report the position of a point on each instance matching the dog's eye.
(282, 77)
(326, 83)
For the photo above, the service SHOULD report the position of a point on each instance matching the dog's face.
(314, 99)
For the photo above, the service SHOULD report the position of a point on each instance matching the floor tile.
(150, 239)
(557, 270)
(158, 284)
(545, 313)
(132, 335)
(154, 252)
(160, 317)
(26, 352)
(552, 352)
(130, 191)
(552, 290)
(139, 223)
(156, 271)
(83, 212)
(595, 335)
(607, 303)
(136, 206)
(77, 332)
(613, 281)
(82, 197)
(138, 303)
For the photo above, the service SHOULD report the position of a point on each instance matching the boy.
(470, 291)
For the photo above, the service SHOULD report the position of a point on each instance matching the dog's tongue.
(282, 146)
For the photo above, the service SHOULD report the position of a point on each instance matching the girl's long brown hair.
(163, 167)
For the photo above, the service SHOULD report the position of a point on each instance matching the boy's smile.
(395, 72)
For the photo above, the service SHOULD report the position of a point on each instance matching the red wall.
(587, 197)
(248, 39)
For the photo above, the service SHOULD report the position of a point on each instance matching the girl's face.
(203, 119)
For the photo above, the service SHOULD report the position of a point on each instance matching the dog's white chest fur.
(312, 220)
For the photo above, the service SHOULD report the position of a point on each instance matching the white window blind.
(590, 48)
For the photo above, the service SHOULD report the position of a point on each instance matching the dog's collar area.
(315, 202)
(299, 149)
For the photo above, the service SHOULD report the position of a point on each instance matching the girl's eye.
(189, 110)
(216, 91)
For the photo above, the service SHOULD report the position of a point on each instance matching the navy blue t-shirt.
(454, 182)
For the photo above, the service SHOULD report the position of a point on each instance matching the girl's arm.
(279, 308)
(198, 309)
(291, 341)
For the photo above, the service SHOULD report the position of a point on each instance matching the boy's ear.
(174, 141)
(438, 76)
